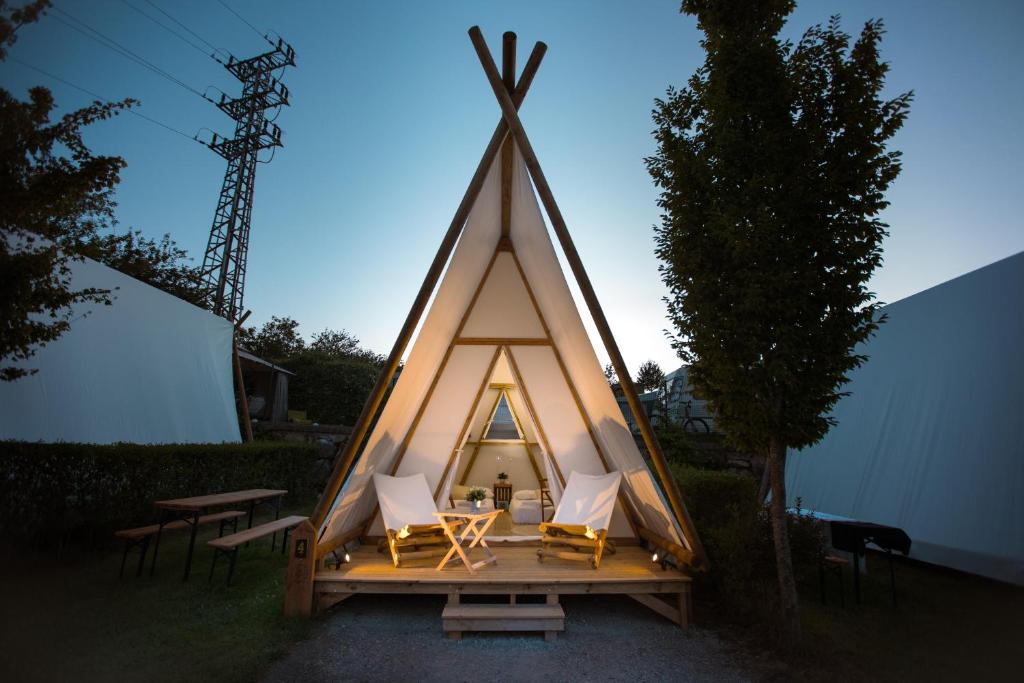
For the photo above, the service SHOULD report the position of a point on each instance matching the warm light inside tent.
(654, 557)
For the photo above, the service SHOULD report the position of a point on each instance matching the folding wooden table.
(477, 524)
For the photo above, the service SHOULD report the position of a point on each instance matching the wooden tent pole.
(476, 448)
(459, 442)
(343, 463)
(508, 109)
(508, 77)
(243, 399)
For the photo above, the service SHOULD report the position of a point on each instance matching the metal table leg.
(252, 511)
(856, 577)
(194, 521)
(164, 518)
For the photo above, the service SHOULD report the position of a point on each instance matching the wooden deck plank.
(629, 570)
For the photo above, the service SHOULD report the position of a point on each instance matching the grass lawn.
(948, 626)
(72, 619)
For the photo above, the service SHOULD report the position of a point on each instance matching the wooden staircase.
(458, 617)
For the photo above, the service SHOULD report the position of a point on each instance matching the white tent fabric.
(502, 310)
(588, 500)
(930, 438)
(150, 369)
(404, 500)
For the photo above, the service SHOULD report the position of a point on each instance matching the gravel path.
(399, 638)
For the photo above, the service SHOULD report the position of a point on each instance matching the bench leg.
(231, 566)
(164, 518)
(124, 557)
(277, 516)
(142, 556)
(191, 544)
(284, 543)
(213, 565)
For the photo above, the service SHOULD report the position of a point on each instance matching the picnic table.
(191, 509)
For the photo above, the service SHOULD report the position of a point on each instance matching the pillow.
(526, 494)
(459, 492)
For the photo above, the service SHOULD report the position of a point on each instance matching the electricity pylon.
(223, 272)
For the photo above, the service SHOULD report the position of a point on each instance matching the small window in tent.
(503, 425)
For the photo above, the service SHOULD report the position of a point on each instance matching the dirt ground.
(607, 638)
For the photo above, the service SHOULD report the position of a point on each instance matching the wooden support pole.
(508, 76)
(343, 463)
(508, 109)
(243, 400)
(298, 590)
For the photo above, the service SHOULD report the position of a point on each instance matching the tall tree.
(650, 377)
(772, 165)
(609, 374)
(52, 187)
(160, 263)
(277, 340)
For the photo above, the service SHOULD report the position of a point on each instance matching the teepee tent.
(503, 324)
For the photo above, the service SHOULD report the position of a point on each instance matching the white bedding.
(525, 511)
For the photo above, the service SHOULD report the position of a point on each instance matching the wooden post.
(298, 595)
(344, 462)
(243, 399)
(508, 109)
(508, 76)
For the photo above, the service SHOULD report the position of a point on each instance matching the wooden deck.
(517, 572)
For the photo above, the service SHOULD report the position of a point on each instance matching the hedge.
(48, 491)
(737, 535)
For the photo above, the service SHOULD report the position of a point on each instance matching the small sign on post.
(298, 590)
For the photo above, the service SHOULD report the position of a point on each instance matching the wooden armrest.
(570, 529)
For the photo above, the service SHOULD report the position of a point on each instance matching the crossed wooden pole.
(510, 125)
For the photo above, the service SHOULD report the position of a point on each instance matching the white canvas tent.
(930, 437)
(150, 368)
(504, 300)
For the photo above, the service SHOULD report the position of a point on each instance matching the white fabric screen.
(930, 438)
(150, 368)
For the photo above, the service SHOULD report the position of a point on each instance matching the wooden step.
(547, 618)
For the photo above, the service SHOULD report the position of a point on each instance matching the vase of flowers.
(503, 477)
(476, 495)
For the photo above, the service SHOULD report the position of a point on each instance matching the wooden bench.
(228, 545)
(549, 618)
(139, 537)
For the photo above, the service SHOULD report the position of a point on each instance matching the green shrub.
(737, 535)
(48, 491)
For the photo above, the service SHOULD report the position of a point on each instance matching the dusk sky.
(391, 111)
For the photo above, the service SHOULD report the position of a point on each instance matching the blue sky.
(391, 112)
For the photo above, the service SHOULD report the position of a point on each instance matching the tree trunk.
(783, 557)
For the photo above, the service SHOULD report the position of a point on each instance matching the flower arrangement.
(502, 476)
(476, 494)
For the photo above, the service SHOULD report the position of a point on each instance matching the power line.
(171, 30)
(242, 19)
(101, 98)
(196, 35)
(114, 46)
